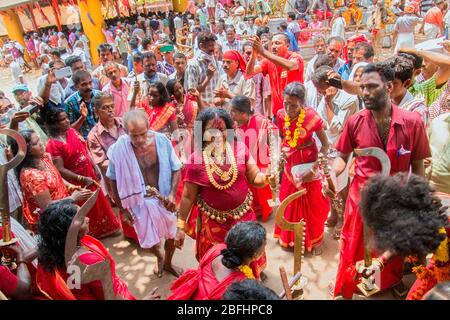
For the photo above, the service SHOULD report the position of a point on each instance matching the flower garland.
(245, 269)
(436, 272)
(299, 131)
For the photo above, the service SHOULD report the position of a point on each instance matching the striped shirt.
(427, 90)
(196, 73)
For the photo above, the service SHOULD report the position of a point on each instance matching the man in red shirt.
(401, 134)
(282, 66)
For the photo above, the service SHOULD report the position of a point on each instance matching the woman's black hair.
(163, 95)
(53, 226)
(29, 161)
(404, 214)
(50, 116)
(208, 114)
(243, 242)
(249, 289)
(170, 86)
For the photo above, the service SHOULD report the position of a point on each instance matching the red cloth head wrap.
(355, 39)
(236, 56)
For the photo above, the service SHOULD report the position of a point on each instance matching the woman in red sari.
(297, 124)
(52, 275)
(406, 218)
(41, 182)
(216, 186)
(70, 155)
(187, 107)
(223, 264)
(160, 109)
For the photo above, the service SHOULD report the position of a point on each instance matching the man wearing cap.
(22, 120)
(233, 82)
(404, 28)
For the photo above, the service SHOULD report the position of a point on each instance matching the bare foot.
(331, 222)
(176, 271)
(158, 268)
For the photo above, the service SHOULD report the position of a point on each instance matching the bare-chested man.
(139, 159)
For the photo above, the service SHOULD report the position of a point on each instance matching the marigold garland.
(299, 131)
(245, 269)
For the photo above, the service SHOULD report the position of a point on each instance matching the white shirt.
(16, 71)
(338, 28)
(312, 96)
(310, 68)
(56, 91)
(178, 22)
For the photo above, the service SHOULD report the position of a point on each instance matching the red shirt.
(8, 281)
(407, 141)
(279, 78)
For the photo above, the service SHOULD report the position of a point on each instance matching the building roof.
(7, 4)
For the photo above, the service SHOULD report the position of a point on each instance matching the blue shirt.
(293, 42)
(72, 107)
(345, 71)
(130, 59)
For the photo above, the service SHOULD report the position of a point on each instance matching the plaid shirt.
(196, 73)
(72, 107)
(165, 68)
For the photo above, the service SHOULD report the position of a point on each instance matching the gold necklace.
(209, 165)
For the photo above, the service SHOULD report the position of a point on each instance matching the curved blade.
(18, 158)
(74, 229)
(380, 155)
(296, 227)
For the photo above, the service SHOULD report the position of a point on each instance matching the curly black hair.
(249, 289)
(202, 119)
(404, 214)
(243, 242)
(53, 226)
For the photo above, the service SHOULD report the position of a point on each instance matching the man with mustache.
(282, 66)
(401, 134)
(79, 105)
(118, 87)
(233, 82)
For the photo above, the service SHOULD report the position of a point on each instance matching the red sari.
(160, 117)
(35, 181)
(208, 232)
(102, 221)
(313, 207)
(257, 124)
(54, 284)
(202, 284)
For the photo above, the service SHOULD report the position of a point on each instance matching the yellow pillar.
(91, 10)
(14, 28)
(180, 5)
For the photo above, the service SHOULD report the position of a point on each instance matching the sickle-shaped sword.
(367, 285)
(299, 231)
(4, 194)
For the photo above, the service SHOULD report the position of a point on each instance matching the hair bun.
(230, 260)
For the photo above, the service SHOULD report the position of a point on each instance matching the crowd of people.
(191, 130)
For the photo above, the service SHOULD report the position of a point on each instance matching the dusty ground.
(135, 265)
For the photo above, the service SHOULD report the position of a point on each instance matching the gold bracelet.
(181, 224)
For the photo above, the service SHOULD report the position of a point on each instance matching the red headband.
(355, 39)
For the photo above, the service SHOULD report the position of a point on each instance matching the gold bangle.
(181, 224)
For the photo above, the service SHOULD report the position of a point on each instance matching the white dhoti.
(153, 222)
(431, 31)
(404, 40)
